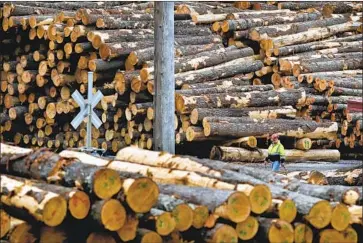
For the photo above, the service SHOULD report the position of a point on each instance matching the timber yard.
(181, 121)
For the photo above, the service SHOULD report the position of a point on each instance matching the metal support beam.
(164, 104)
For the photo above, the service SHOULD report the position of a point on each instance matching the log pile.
(239, 68)
(149, 196)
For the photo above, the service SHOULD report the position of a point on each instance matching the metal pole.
(164, 104)
(89, 111)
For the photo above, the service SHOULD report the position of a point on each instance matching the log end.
(128, 231)
(165, 224)
(142, 195)
(303, 233)
(183, 216)
(238, 207)
(200, 216)
(320, 214)
(100, 237)
(247, 229)
(106, 183)
(340, 217)
(225, 233)
(281, 231)
(287, 210)
(79, 204)
(113, 215)
(55, 211)
(260, 199)
(151, 236)
(351, 196)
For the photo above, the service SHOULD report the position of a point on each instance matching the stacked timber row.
(149, 196)
(233, 74)
(308, 46)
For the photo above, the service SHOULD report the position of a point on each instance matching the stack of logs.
(227, 82)
(155, 197)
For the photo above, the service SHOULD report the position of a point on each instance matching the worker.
(276, 153)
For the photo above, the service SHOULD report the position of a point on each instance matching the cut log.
(110, 214)
(117, 23)
(275, 230)
(50, 208)
(243, 24)
(194, 49)
(221, 233)
(306, 36)
(113, 50)
(233, 154)
(232, 89)
(198, 114)
(228, 69)
(286, 29)
(326, 66)
(185, 104)
(238, 80)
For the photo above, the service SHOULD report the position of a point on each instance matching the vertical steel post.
(89, 111)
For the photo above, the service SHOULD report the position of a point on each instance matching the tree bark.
(243, 24)
(194, 49)
(48, 207)
(233, 154)
(279, 30)
(224, 70)
(311, 35)
(291, 128)
(238, 80)
(198, 114)
(185, 104)
(232, 89)
(114, 50)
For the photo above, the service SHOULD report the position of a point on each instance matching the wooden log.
(194, 49)
(19, 231)
(110, 214)
(238, 80)
(113, 50)
(116, 23)
(286, 29)
(50, 209)
(210, 59)
(257, 14)
(275, 230)
(233, 154)
(98, 65)
(221, 232)
(198, 114)
(311, 35)
(243, 24)
(313, 130)
(185, 104)
(346, 91)
(232, 89)
(231, 68)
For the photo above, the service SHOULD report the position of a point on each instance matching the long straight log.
(238, 80)
(306, 36)
(50, 209)
(228, 69)
(233, 154)
(278, 30)
(185, 104)
(243, 24)
(232, 89)
(198, 114)
(291, 128)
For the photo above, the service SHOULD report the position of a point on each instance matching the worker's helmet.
(274, 136)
